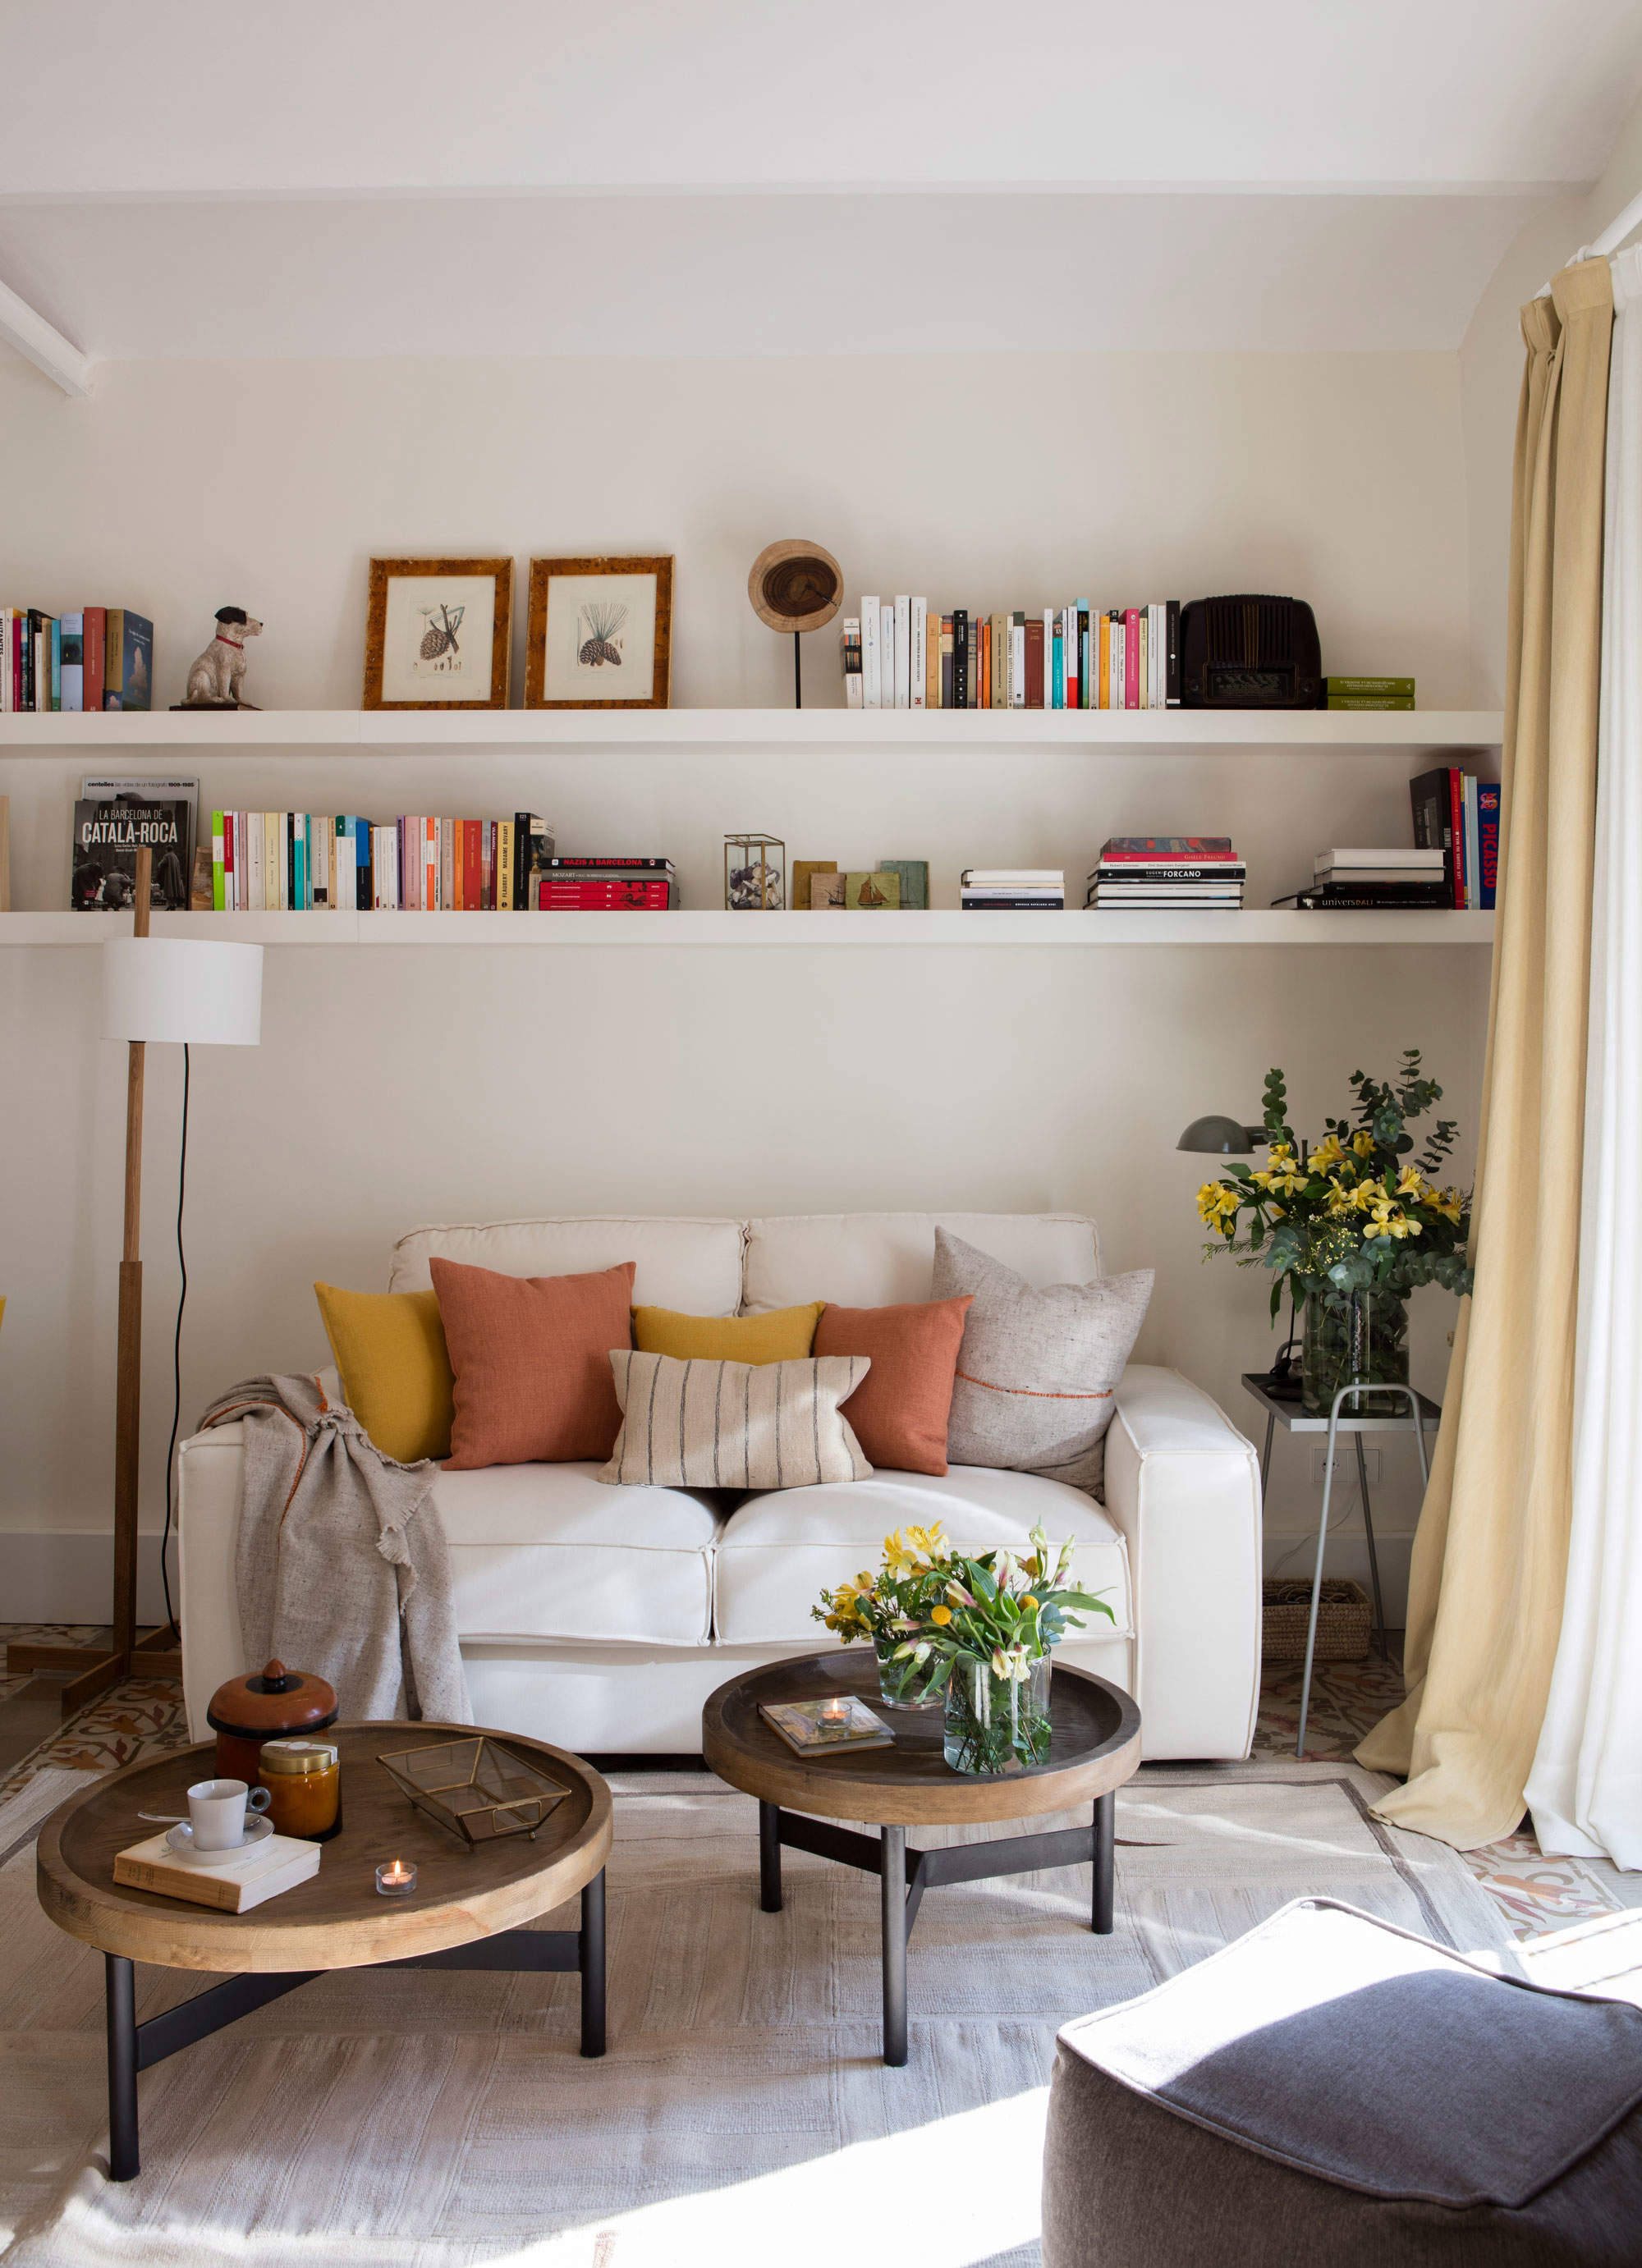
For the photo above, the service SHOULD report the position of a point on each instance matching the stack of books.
(584, 885)
(1369, 692)
(1039, 888)
(1360, 880)
(102, 658)
(898, 655)
(1182, 873)
(1458, 814)
(303, 862)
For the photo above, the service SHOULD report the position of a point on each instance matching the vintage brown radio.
(1249, 652)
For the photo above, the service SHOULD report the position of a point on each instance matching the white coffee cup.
(216, 1809)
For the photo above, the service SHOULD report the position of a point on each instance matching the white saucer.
(181, 1842)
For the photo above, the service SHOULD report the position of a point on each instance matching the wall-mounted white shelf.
(760, 933)
(374, 732)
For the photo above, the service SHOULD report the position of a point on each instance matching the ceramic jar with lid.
(303, 1777)
(272, 1703)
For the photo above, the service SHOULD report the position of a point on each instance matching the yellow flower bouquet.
(1349, 1227)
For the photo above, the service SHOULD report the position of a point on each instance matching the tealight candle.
(397, 1878)
(835, 1710)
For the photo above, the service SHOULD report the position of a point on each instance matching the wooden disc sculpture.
(795, 585)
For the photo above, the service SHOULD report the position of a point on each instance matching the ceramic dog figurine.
(216, 677)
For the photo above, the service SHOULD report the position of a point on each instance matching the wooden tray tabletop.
(338, 1919)
(1094, 1747)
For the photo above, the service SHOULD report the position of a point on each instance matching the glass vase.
(909, 1684)
(996, 1724)
(1351, 1335)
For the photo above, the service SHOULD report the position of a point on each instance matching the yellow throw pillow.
(396, 1375)
(785, 1335)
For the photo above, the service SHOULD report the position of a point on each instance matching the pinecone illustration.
(604, 620)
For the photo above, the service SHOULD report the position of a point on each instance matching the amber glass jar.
(303, 1780)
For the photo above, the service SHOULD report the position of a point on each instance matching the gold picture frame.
(425, 624)
(575, 634)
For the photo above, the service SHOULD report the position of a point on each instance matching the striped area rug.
(742, 2114)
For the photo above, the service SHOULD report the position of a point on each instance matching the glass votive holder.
(835, 1710)
(397, 1878)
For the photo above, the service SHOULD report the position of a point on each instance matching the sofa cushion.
(779, 1553)
(531, 1358)
(1038, 1369)
(535, 1554)
(899, 1409)
(394, 1368)
(780, 1335)
(692, 1264)
(883, 1259)
(734, 1424)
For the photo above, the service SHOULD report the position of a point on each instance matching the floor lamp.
(197, 992)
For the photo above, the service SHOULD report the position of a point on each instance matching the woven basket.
(1345, 1617)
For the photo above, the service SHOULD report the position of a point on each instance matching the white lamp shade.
(171, 988)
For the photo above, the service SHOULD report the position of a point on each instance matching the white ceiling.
(744, 176)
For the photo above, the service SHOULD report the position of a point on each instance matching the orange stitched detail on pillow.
(1037, 1393)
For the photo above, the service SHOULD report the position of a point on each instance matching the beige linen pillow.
(734, 1424)
(1037, 1370)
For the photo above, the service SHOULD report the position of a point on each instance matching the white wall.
(398, 1088)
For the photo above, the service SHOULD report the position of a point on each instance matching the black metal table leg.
(769, 1857)
(590, 1960)
(120, 1991)
(1374, 1557)
(1105, 1843)
(892, 1885)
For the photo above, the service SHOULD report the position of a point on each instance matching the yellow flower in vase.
(1363, 1143)
(940, 1616)
(1327, 1155)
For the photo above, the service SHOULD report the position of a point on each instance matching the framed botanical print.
(437, 634)
(599, 634)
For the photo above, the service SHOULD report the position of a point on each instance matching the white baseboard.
(1348, 1555)
(62, 1575)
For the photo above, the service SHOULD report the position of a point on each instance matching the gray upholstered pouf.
(1332, 2090)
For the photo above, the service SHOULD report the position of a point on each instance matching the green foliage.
(1360, 1210)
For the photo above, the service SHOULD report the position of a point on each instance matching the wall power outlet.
(1345, 1464)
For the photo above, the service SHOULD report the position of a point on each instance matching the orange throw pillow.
(531, 1359)
(899, 1413)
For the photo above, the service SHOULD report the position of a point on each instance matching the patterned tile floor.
(1539, 1894)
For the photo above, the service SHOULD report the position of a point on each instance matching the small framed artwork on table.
(437, 634)
(599, 634)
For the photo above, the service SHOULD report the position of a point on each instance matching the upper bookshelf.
(1312, 731)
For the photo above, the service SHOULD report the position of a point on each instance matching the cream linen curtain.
(1586, 1787)
(1485, 1586)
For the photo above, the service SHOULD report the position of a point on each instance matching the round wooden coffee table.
(1095, 1746)
(467, 1911)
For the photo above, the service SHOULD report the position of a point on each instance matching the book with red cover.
(1148, 850)
(1034, 662)
(1131, 659)
(624, 894)
(95, 638)
(471, 898)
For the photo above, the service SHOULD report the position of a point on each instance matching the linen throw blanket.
(340, 1563)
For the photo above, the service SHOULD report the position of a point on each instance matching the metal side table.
(1293, 1418)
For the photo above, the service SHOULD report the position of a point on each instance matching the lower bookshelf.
(828, 932)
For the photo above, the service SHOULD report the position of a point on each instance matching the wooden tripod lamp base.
(198, 993)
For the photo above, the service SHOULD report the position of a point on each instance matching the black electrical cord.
(176, 1346)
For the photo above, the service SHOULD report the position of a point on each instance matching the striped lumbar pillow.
(734, 1424)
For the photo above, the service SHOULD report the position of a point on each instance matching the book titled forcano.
(107, 839)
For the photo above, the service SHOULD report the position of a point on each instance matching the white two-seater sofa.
(600, 1619)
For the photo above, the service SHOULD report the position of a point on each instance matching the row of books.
(1458, 814)
(898, 655)
(301, 862)
(1019, 889)
(102, 658)
(1178, 872)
